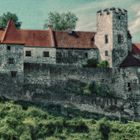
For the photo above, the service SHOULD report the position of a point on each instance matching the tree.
(8, 16)
(62, 21)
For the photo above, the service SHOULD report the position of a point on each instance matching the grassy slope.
(17, 122)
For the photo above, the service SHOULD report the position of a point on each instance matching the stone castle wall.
(37, 55)
(68, 85)
(65, 84)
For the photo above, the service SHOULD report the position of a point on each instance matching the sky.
(33, 13)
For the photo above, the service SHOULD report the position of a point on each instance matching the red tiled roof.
(36, 38)
(130, 61)
(75, 39)
(136, 48)
(11, 35)
(46, 38)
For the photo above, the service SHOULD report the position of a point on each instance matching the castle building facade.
(111, 42)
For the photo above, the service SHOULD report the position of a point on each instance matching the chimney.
(50, 27)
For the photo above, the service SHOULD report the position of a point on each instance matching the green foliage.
(97, 89)
(95, 64)
(77, 126)
(8, 16)
(36, 124)
(63, 21)
(103, 64)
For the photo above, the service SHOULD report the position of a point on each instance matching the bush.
(77, 126)
(103, 64)
(97, 89)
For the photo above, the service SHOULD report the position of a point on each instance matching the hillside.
(19, 122)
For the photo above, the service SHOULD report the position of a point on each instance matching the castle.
(34, 64)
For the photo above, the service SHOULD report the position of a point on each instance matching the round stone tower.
(112, 35)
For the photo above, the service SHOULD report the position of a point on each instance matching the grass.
(33, 123)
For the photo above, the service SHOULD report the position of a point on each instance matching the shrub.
(77, 126)
(103, 64)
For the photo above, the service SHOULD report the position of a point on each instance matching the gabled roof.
(136, 49)
(12, 35)
(130, 61)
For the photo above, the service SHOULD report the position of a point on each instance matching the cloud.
(87, 14)
(135, 25)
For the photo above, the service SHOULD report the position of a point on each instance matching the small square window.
(28, 53)
(9, 48)
(119, 17)
(128, 84)
(106, 53)
(13, 74)
(45, 54)
(129, 89)
(11, 61)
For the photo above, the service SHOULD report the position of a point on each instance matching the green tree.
(6, 17)
(63, 21)
(103, 64)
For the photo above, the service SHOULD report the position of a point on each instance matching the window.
(106, 39)
(28, 53)
(13, 74)
(9, 48)
(86, 55)
(106, 53)
(45, 54)
(11, 61)
(120, 39)
(129, 86)
(119, 17)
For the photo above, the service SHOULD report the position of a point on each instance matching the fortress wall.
(64, 85)
(116, 79)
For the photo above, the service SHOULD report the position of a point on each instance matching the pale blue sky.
(33, 13)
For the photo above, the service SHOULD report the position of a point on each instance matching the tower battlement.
(108, 11)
